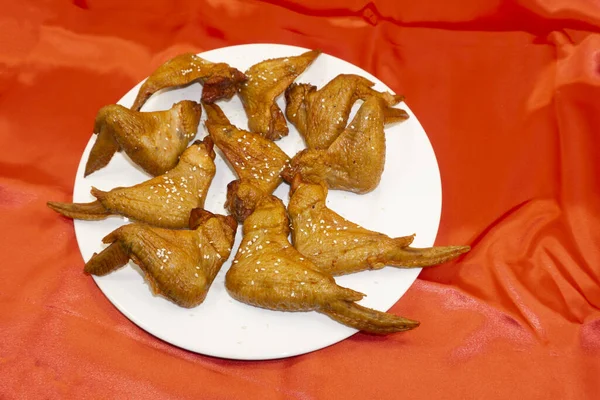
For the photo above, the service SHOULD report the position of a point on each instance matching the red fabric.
(508, 94)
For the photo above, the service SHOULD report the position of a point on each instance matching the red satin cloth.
(508, 92)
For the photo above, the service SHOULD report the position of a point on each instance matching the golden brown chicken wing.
(153, 140)
(164, 201)
(268, 272)
(220, 81)
(354, 162)
(251, 156)
(338, 246)
(266, 81)
(321, 115)
(178, 264)
(256, 160)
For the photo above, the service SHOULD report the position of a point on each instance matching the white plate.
(408, 200)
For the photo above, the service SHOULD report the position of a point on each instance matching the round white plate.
(407, 201)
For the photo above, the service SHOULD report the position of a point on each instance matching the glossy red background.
(508, 92)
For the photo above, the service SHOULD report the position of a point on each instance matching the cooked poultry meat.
(178, 264)
(255, 159)
(321, 115)
(164, 201)
(242, 197)
(338, 246)
(354, 162)
(266, 81)
(152, 140)
(220, 81)
(268, 272)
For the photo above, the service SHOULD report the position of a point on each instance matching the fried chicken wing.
(152, 140)
(266, 81)
(164, 201)
(256, 160)
(321, 115)
(354, 162)
(219, 80)
(251, 156)
(178, 264)
(338, 246)
(268, 272)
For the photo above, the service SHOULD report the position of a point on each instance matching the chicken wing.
(219, 80)
(256, 160)
(268, 272)
(178, 264)
(251, 156)
(152, 140)
(266, 81)
(338, 246)
(354, 162)
(164, 201)
(321, 115)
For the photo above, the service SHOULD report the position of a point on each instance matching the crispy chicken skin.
(354, 162)
(152, 140)
(321, 115)
(256, 160)
(266, 81)
(220, 81)
(178, 264)
(269, 272)
(165, 201)
(338, 246)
